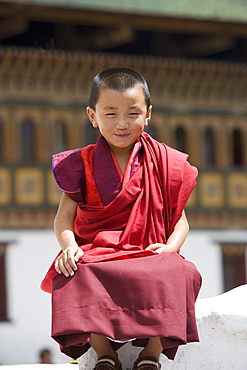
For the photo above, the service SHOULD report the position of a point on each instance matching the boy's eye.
(134, 114)
(110, 114)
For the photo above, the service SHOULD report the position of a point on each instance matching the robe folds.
(121, 290)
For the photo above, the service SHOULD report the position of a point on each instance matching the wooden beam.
(203, 46)
(12, 27)
(107, 38)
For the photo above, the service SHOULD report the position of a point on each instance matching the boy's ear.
(148, 115)
(91, 116)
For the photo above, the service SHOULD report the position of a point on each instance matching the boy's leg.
(102, 346)
(153, 349)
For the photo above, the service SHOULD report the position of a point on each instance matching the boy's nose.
(122, 123)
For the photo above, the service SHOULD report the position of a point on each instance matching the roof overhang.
(215, 10)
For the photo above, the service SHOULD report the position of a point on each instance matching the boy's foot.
(146, 363)
(107, 363)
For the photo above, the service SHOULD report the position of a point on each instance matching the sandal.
(146, 363)
(107, 363)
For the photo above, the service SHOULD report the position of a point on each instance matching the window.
(60, 137)
(237, 147)
(209, 145)
(180, 139)
(27, 140)
(234, 265)
(3, 289)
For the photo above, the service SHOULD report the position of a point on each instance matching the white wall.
(30, 254)
(28, 331)
(201, 249)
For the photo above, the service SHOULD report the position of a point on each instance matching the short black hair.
(119, 79)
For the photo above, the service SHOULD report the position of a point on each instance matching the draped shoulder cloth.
(144, 211)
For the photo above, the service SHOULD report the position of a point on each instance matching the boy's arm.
(175, 240)
(63, 226)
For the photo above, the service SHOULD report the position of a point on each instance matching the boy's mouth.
(122, 135)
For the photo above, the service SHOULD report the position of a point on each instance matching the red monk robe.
(120, 290)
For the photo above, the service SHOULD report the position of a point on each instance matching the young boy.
(120, 225)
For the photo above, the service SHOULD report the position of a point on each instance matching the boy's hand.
(66, 262)
(161, 248)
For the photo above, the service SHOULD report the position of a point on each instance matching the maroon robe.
(121, 290)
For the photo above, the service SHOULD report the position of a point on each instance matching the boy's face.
(120, 117)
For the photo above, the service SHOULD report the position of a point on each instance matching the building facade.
(199, 108)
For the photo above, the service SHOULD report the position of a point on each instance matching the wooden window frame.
(3, 283)
(234, 265)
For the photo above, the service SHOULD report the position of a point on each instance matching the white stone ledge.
(222, 325)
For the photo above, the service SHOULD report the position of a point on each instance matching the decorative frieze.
(41, 75)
